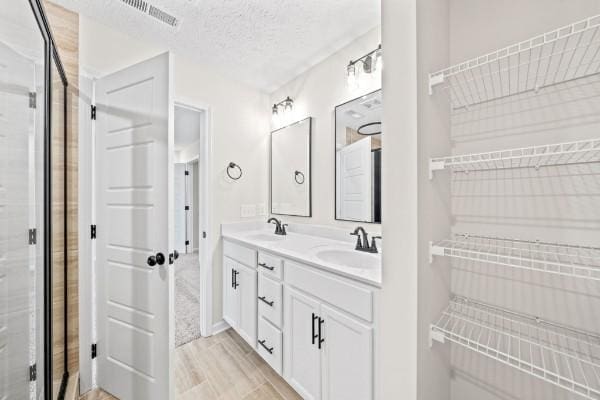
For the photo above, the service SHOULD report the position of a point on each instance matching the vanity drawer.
(269, 344)
(270, 296)
(342, 293)
(239, 253)
(270, 265)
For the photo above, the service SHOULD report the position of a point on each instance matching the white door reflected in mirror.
(358, 159)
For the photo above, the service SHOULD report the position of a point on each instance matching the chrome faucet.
(363, 244)
(279, 227)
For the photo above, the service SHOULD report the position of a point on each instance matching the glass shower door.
(21, 199)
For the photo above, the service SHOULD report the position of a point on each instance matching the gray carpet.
(187, 299)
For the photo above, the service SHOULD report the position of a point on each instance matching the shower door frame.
(51, 53)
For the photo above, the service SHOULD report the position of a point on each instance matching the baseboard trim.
(220, 327)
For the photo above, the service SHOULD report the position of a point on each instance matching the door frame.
(203, 181)
(87, 217)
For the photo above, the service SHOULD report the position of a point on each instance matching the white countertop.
(303, 244)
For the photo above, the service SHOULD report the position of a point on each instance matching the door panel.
(231, 299)
(247, 280)
(134, 135)
(302, 362)
(355, 181)
(347, 359)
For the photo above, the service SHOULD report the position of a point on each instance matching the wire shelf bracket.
(580, 152)
(560, 355)
(559, 56)
(553, 258)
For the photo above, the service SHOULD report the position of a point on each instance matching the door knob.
(160, 258)
(151, 261)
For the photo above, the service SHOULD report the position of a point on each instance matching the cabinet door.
(231, 300)
(347, 357)
(246, 290)
(302, 355)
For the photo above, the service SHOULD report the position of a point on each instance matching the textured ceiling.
(264, 43)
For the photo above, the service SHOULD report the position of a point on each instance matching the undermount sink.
(349, 258)
(265, 237)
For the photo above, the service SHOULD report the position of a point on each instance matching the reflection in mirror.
(358, 159)
(290, 169)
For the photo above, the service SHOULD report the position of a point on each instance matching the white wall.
(239, 118)
(316, 93)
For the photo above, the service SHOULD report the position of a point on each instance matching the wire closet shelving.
(580, 152)
(560, 355)
(553, 258)
(565, 54)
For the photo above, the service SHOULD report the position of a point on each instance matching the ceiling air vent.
(162, 16)
(140, 5)
(155, 12)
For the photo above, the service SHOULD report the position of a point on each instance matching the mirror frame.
(309, 168)
(335, 163)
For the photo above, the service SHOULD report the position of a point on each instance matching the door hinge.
(93, 112)
(187, 208)
(203, 234)
(33, 236)
(32, 373)
(32, 99)
(93, 231)
(187, 172)
(94, 350)
(187, 242)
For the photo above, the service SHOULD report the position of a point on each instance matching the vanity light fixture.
(285, 106)
(369, 64)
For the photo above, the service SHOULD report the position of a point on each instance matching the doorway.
(187, 219)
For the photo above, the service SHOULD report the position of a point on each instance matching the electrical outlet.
(248, 210)
(261, 209)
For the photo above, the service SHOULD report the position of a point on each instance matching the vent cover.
(155, 12)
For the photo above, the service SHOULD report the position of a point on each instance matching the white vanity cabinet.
(313, 327)
(239, 290)
(328, 351)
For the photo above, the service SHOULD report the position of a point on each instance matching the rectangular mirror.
(290, 169)
(358, 159)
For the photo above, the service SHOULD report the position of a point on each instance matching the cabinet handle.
(314, 336)
(264, 300)
(321, 340)
(235, 282)
(233, 278)
(269, 349)
(266, 266)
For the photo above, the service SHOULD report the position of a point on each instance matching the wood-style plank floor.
(221, 367)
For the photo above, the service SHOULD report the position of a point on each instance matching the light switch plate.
(248, 210)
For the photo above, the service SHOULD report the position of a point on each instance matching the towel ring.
(367, 125)
(296, 174)
(233, 165)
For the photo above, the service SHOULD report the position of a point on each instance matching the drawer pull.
(266, 266)
(269, 349)
(314, 336)
(264, 300)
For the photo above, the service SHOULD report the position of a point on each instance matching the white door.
(246, 282)
(347, 358)
(180, 194)
(355, 181)
(134, 141)
(231, 298)
(302, 367)
(17, 79)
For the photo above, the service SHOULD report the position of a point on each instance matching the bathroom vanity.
(305, 302)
